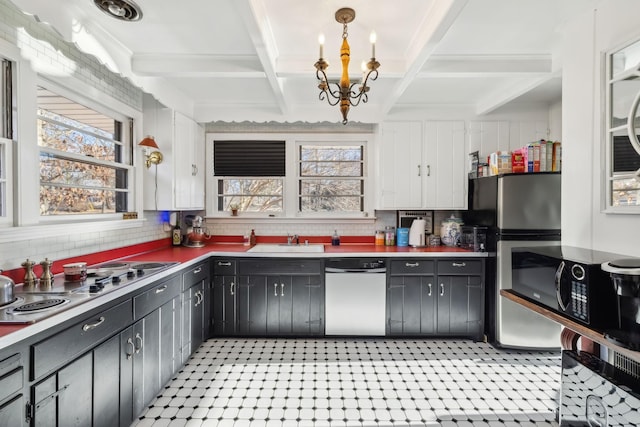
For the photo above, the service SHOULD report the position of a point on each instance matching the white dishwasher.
(355, 296)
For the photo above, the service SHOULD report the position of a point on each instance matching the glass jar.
(450, 231)
(379, 238)
(389, 236)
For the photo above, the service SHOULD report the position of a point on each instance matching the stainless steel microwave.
(568, 280)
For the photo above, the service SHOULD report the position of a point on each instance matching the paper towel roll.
(416, 233)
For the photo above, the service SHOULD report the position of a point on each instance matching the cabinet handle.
(232, 288)
(138, 339)
(89, 326)
(197, 270)
(412, 264)
(194, 170)
(198, 300)
(161, 289)
(441, 289)
(428, 170)
(133, 348)
(281, 289)
(458, 264)
(224, 263)
(419, 172)
(429, 294)
(275, 289)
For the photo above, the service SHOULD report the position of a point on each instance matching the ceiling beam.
(254, 15)
(182, 65)
(437, 22)
(485, 65)
(508, 93)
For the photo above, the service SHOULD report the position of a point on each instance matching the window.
(85, 159)
(6, 135)
(250, 175)
(623, 128)
(331, 178)
(302, 175)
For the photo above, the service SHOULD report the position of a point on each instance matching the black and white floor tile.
(360, 383)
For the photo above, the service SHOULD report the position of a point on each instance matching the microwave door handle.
(559, 272)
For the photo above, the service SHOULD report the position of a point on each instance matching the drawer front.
(460, 266)
(412, 266)
(11, 376)
(195, 275)
(302, 267)
(62, 348)
(155, 297)
(224, 267)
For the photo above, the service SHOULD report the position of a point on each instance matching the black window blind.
(625, 158)
(249, 158)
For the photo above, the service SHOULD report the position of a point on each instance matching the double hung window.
(85, 158)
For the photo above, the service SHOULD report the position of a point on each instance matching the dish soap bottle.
(335, 239)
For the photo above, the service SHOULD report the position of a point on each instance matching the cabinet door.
(279, 305)
(170, 355)
(252, 305)
(410, 305)
(146, 361)
(106, 383)
(223, 305)
(445, 167)
(65, 398)
(400, 162)
(183, 160)
(127, 353)
(307, 305)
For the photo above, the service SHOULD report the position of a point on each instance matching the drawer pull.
(224, 263)
(161, 289)
(138, 345)
(458, 264)
(197, 270)
(412, 264)
(90, 326)
(133, 348)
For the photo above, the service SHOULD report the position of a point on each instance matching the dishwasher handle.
(355, 270)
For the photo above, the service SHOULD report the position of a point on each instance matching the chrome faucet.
(291, 238)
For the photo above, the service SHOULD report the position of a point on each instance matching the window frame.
(291, 179)
(101, 105)
(610, 131)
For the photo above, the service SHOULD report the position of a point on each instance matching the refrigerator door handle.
(559, 272)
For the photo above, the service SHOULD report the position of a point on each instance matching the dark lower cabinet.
(224, 290)
(287, 300)
(12, 401)
(106, 383)
(12, 413)
(436, 297)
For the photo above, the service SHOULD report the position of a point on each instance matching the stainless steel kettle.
(6, 290)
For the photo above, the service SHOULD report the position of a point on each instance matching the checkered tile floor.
(358, 382)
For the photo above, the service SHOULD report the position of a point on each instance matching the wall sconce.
(153, 157)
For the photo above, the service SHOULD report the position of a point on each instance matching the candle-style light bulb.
(372, 39)
(363, 67)
(321, 41)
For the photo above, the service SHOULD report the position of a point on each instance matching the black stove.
(35, 303)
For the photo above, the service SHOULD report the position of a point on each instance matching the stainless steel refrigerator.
(520, 210)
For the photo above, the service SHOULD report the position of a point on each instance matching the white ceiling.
(237, 60)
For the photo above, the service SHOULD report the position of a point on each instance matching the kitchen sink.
(283, 247)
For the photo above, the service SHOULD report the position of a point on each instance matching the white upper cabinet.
(178, 182)
(422, 165)
(446, 158)
(400, 178)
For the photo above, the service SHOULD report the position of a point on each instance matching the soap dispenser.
(335, 239)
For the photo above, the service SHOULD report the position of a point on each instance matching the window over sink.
(289, 175)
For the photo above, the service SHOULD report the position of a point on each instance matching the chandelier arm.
(324, 94)
(359, 96)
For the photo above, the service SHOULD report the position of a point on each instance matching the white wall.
(585, 39)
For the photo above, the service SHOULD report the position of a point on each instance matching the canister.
(402, 238)
(379, 238)
(389, 236)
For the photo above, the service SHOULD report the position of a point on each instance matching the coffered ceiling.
(236, 60)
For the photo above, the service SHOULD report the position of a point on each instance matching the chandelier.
(344, 92)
